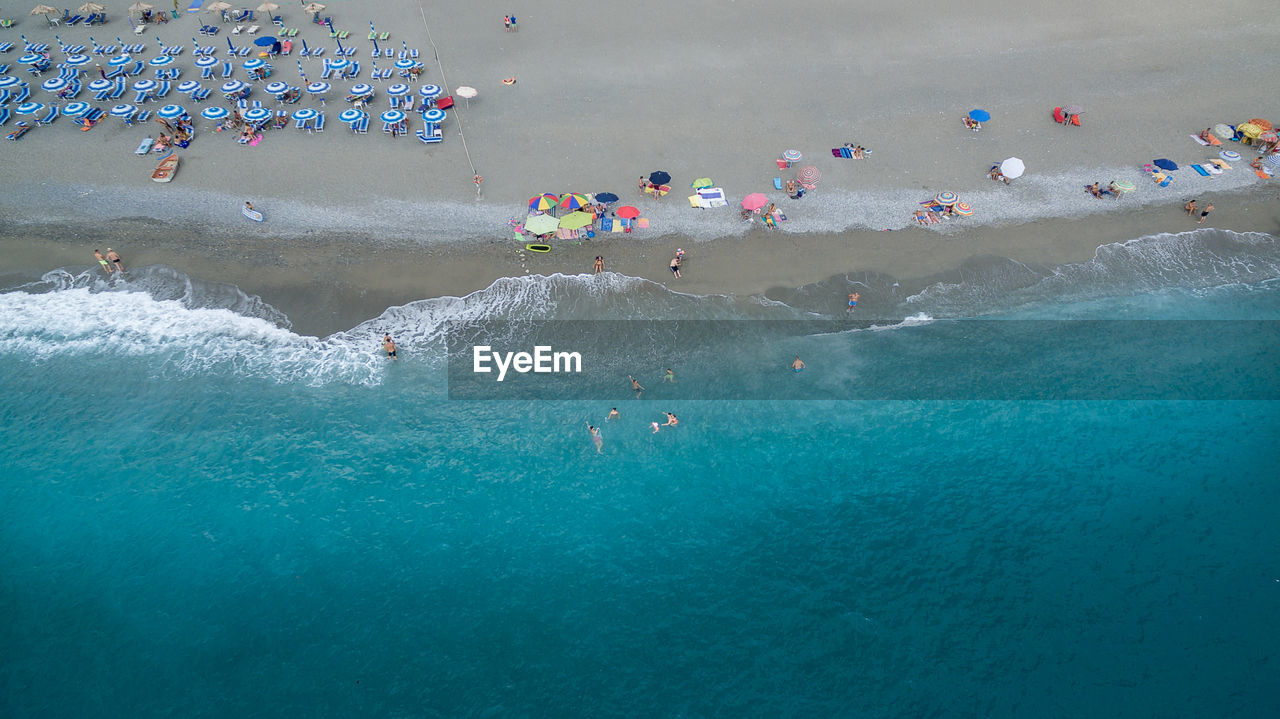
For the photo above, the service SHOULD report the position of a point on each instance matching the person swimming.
(613, 414)
(671, 420)
(596, 438)
(798, 365)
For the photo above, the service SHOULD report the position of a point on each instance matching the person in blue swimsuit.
(798, 365)
(853, 300)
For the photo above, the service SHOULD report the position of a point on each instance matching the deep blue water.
(206, 515)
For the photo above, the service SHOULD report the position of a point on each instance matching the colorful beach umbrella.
(1268, 136)
(945, 198)
(702, 182)
(808, 176)
(979, 115)
(963, 209)
(1249, 130)
(76, 109)
(575, 220)
(1264, 124)
(572, 201)
(627, 212)
(1165, 164)
(214, 113)
(1012, 168)
(544, 202)
(792, 156)
(754, 201)
(1122, 185)
(541, 224)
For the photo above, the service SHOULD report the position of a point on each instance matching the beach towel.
(1200, 140)
(606, 224)
(1262, 174)
(256, 139)
(642, 223)
(617, 225)
(844, 152)
(1200, 170)
(1212, 168)
(195, 5)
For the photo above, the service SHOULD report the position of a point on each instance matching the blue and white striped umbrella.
(254, 63)
(29, 108)
(318, 88)
(305, 113)
(338, 64)
(53, 84)
(9, 81)
(206, 61)
(1273, 159)
(144, 86)
(76, 109)
(100, 85)
(77, 60)
(434, 115)
(350, 115)
(169, 112)
(277, 88)
(257, 114)
(31, 58)
(405, 64)
(123, 110)
(214, 113)
(429, 91)
(119, 60)
(232, 86)
(398, 90)
(187, 86)
(392, 116)
(160, 61)
(361, 89)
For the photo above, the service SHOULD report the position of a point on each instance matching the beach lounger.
(17, 134)
(144, 147)
(317, 51)
(777, 183)
(302, 125)
(102, 94)
(141, 97)
(353, 69)
(6, 46)
(163, 89)
(49, 116)
(253, 30)
(117, 93)
(1200, 170)
(138, 68)
(206, 72)
(430, 134)
(4, 97)
(388, 52)
(104, 49)
(73, 49)
(319, 126)
(135, 48)
(114, 73)
(24, 92)
(201, 95)
(72, 21)
(328, 71)
(236, 30)
(348, 51)
(4, 115)
(143, 116)
(362, 125)
(227, 69)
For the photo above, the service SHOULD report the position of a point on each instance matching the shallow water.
(209, 515)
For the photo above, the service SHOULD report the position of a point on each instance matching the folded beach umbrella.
(606, 197)
(808, 176)
(1264, 124)
(979, 115)
(702, 182)
(659, 177)
(792, 156)
(627, 212)
(1165, 164)
(572, 201)
(1072, 109)
(214, 113)
(575, 220)
(541, 224)
(945, 198)
(543, 202)
(1012, 168)
(963, 209)
(754, 201)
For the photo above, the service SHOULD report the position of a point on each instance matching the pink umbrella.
(808, 176)
(754, 201)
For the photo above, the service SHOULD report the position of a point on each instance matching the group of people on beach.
(598, 440)
(111, 262)
(1191, 208)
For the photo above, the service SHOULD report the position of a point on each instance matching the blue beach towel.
(195, 5)
(606, 224)
(1200, 170)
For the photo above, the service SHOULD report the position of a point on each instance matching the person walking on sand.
(1205, 213)
(675, 266)
(599, 265)
(635, 386)
(798, 365)
(1190, 207)
(389, 345)
(119, 263)
(106, 266)
(102, 72)
(514, 26)
(506, 22)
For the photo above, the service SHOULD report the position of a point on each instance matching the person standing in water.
(114, 257)
(669, 376)
(635, 386)
(106, 266)
(798, 365)
(613, 414)
(389, 345)
(599, 264)
(596, 438)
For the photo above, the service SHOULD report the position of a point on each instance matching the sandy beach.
(713, 89)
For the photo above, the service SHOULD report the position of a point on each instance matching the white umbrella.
(1012, 168)
(466, 93)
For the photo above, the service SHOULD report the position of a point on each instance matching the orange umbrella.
(1265, 125)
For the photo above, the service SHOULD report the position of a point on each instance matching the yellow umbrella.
(575, 220)
(1249, 130)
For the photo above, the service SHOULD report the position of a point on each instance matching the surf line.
(541, 361)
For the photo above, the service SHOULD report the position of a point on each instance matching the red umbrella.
(808, 176)
(627, 212)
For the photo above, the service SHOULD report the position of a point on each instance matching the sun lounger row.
(209, 30)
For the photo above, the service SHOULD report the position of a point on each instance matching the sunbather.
(920, 218)
(1095, 191)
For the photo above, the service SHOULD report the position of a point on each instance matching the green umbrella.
(574, 220)
(702, 182)
(541, 224)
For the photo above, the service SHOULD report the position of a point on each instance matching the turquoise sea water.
(207, 515)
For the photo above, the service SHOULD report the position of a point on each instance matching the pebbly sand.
(714, 89)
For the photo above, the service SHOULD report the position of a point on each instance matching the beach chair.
(24, 92)
(141, 96)
(362, 125)
(118, 92)
(317, 51)
(102, 94)
(201, 94)
(49, 116)
(6, 46)
(302, 125)
(72, 21)
(163, 89)
(777, 183)
(206, 72)
(227, 69)
(143, 116)
(6, 23)
(236, 30)
(104, 49)
(4, 97)
(328, 71)
(353, 70)
(319, 125)
(138, 68)
(4, 115)
(115, 73)
(17, 134)
(430, 135)
(253, 30)
(144, 147)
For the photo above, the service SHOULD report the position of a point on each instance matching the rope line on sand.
(444, 83)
